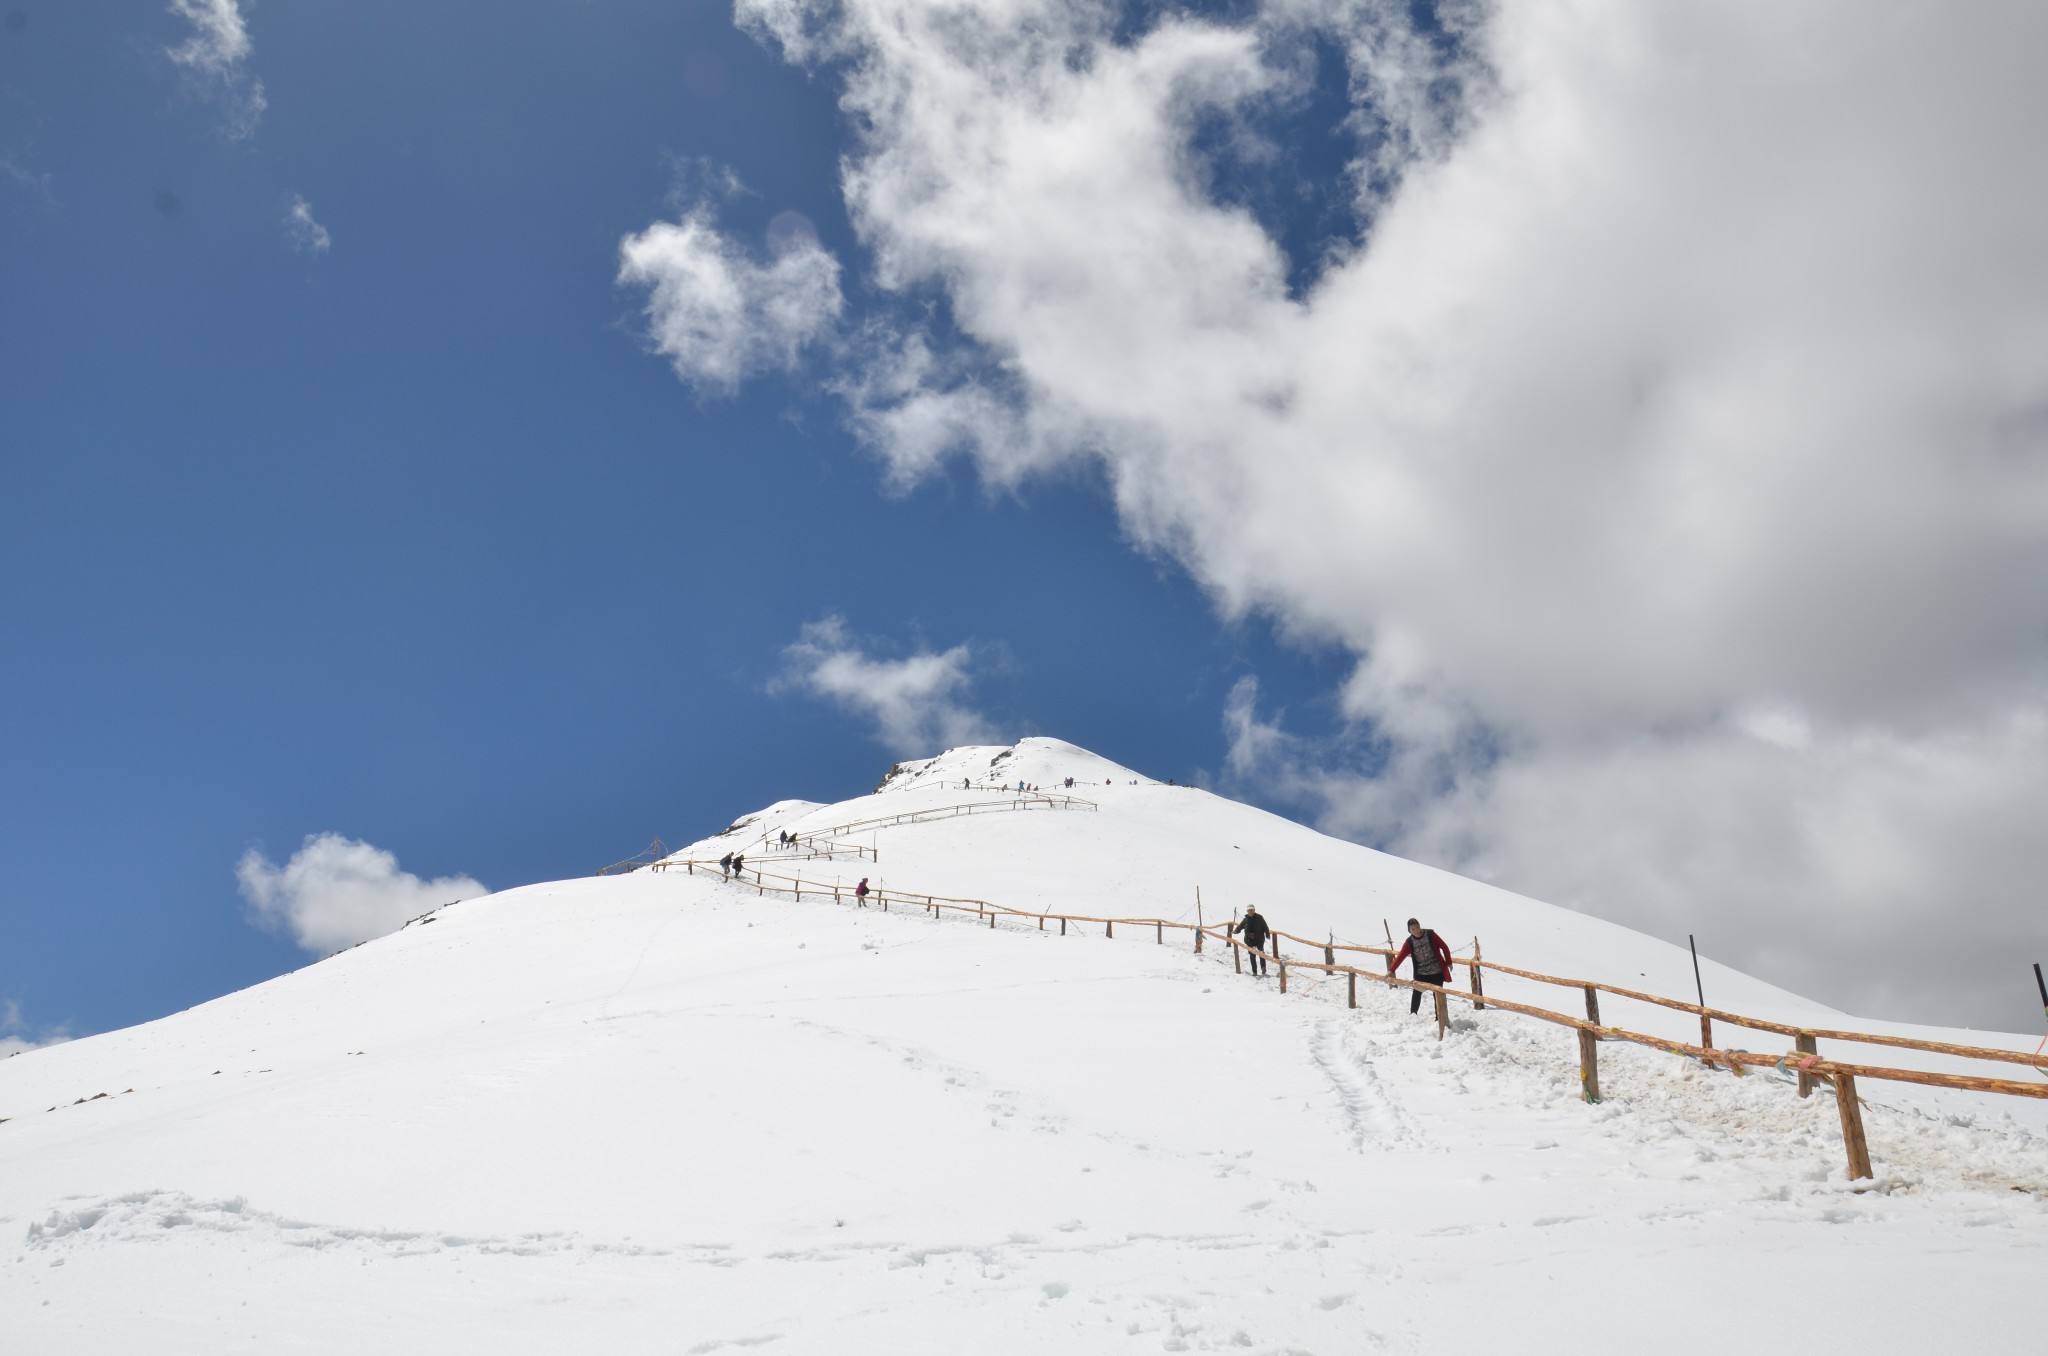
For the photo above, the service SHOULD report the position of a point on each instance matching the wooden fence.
(1803, 1062)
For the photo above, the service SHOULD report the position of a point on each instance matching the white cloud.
(720, 315)
(307, 235)
(216, 53)
(1675, 417)
(1885, 872)
(16, 1035)
(917, 703)
(335, 892)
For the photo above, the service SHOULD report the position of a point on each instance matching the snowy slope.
(659, 1113)
(1151, 846)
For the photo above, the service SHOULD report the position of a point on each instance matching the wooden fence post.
(1478, 986)
(1063, 925)
(1852, 1127)
(1706, 1031)
(991, 918)
(1351, 987)
(1592, 1005)
(1330, 950)
(1283, 976)
(1443, 1013)
(1159, 929)
(1109, 928)
(1807, 1046)
(1236, 957)
(1589, 1065)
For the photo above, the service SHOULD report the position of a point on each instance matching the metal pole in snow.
(2043, 987)
(1706, 1022)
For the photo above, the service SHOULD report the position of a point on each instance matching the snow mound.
(663, 1112)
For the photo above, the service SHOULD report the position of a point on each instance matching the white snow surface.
(659, 1112)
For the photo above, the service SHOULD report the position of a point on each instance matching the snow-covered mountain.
(660, 1112)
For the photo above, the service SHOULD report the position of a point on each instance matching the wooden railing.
(1804, 1061)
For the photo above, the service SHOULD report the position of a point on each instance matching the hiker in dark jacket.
(725, 865)
(1432, 961)
(1253, 926)
(739, 859)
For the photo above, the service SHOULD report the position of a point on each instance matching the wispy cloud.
(216, 53)
(917, 703)
(36, 184)
(336, 891)
(307, 235)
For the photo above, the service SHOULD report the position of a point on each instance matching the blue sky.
(409, 540)
(1597, 451)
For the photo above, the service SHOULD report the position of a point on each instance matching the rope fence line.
(1803, 1061)
(1033, 800)
(828, 842)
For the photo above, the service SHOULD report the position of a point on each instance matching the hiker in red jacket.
(1432, 961)
(860, 893)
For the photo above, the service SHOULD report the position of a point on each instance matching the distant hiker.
(860, 893)
(725, 865)
(1432, 961)
(739, 860)
(1253, 926)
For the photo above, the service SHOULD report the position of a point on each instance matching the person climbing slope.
(725, 865)
(1253, 926)
(739, 860)
(1432, 961)
(860, 893)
